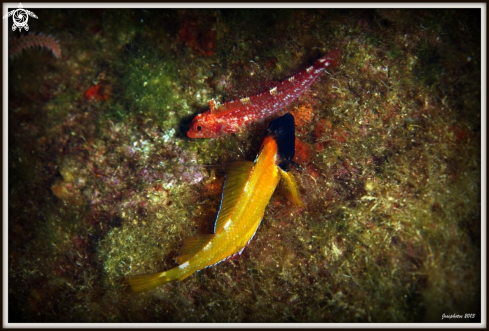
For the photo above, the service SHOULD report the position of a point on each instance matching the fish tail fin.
(140, 283)
(331, 59)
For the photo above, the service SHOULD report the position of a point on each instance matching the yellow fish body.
(247, 191)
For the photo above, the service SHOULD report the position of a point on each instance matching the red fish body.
(231, 116)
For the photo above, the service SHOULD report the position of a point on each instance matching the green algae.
(151, 89)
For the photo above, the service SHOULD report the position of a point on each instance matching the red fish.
(231, 116)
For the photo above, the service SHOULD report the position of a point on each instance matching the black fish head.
(282, 130)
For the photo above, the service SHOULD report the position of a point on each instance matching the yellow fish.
(247, 191)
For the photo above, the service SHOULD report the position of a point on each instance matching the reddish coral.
(302, 152)
(200, 35)
(99, 92)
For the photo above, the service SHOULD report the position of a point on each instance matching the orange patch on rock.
(302, 152)
(303, 115)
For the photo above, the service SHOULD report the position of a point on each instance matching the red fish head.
(204, 127)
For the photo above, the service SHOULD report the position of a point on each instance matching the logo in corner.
(20, 17)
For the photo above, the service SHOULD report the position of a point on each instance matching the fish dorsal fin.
(213, 106)
(287, 182)
(192, 245)
(236, 178)
(216, 107)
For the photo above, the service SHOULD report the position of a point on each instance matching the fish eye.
(196, 127)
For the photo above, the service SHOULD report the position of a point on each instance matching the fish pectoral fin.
(192, 245)
(236, 178)
(288, 183)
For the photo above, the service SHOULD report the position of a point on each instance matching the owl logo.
(20, 17)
